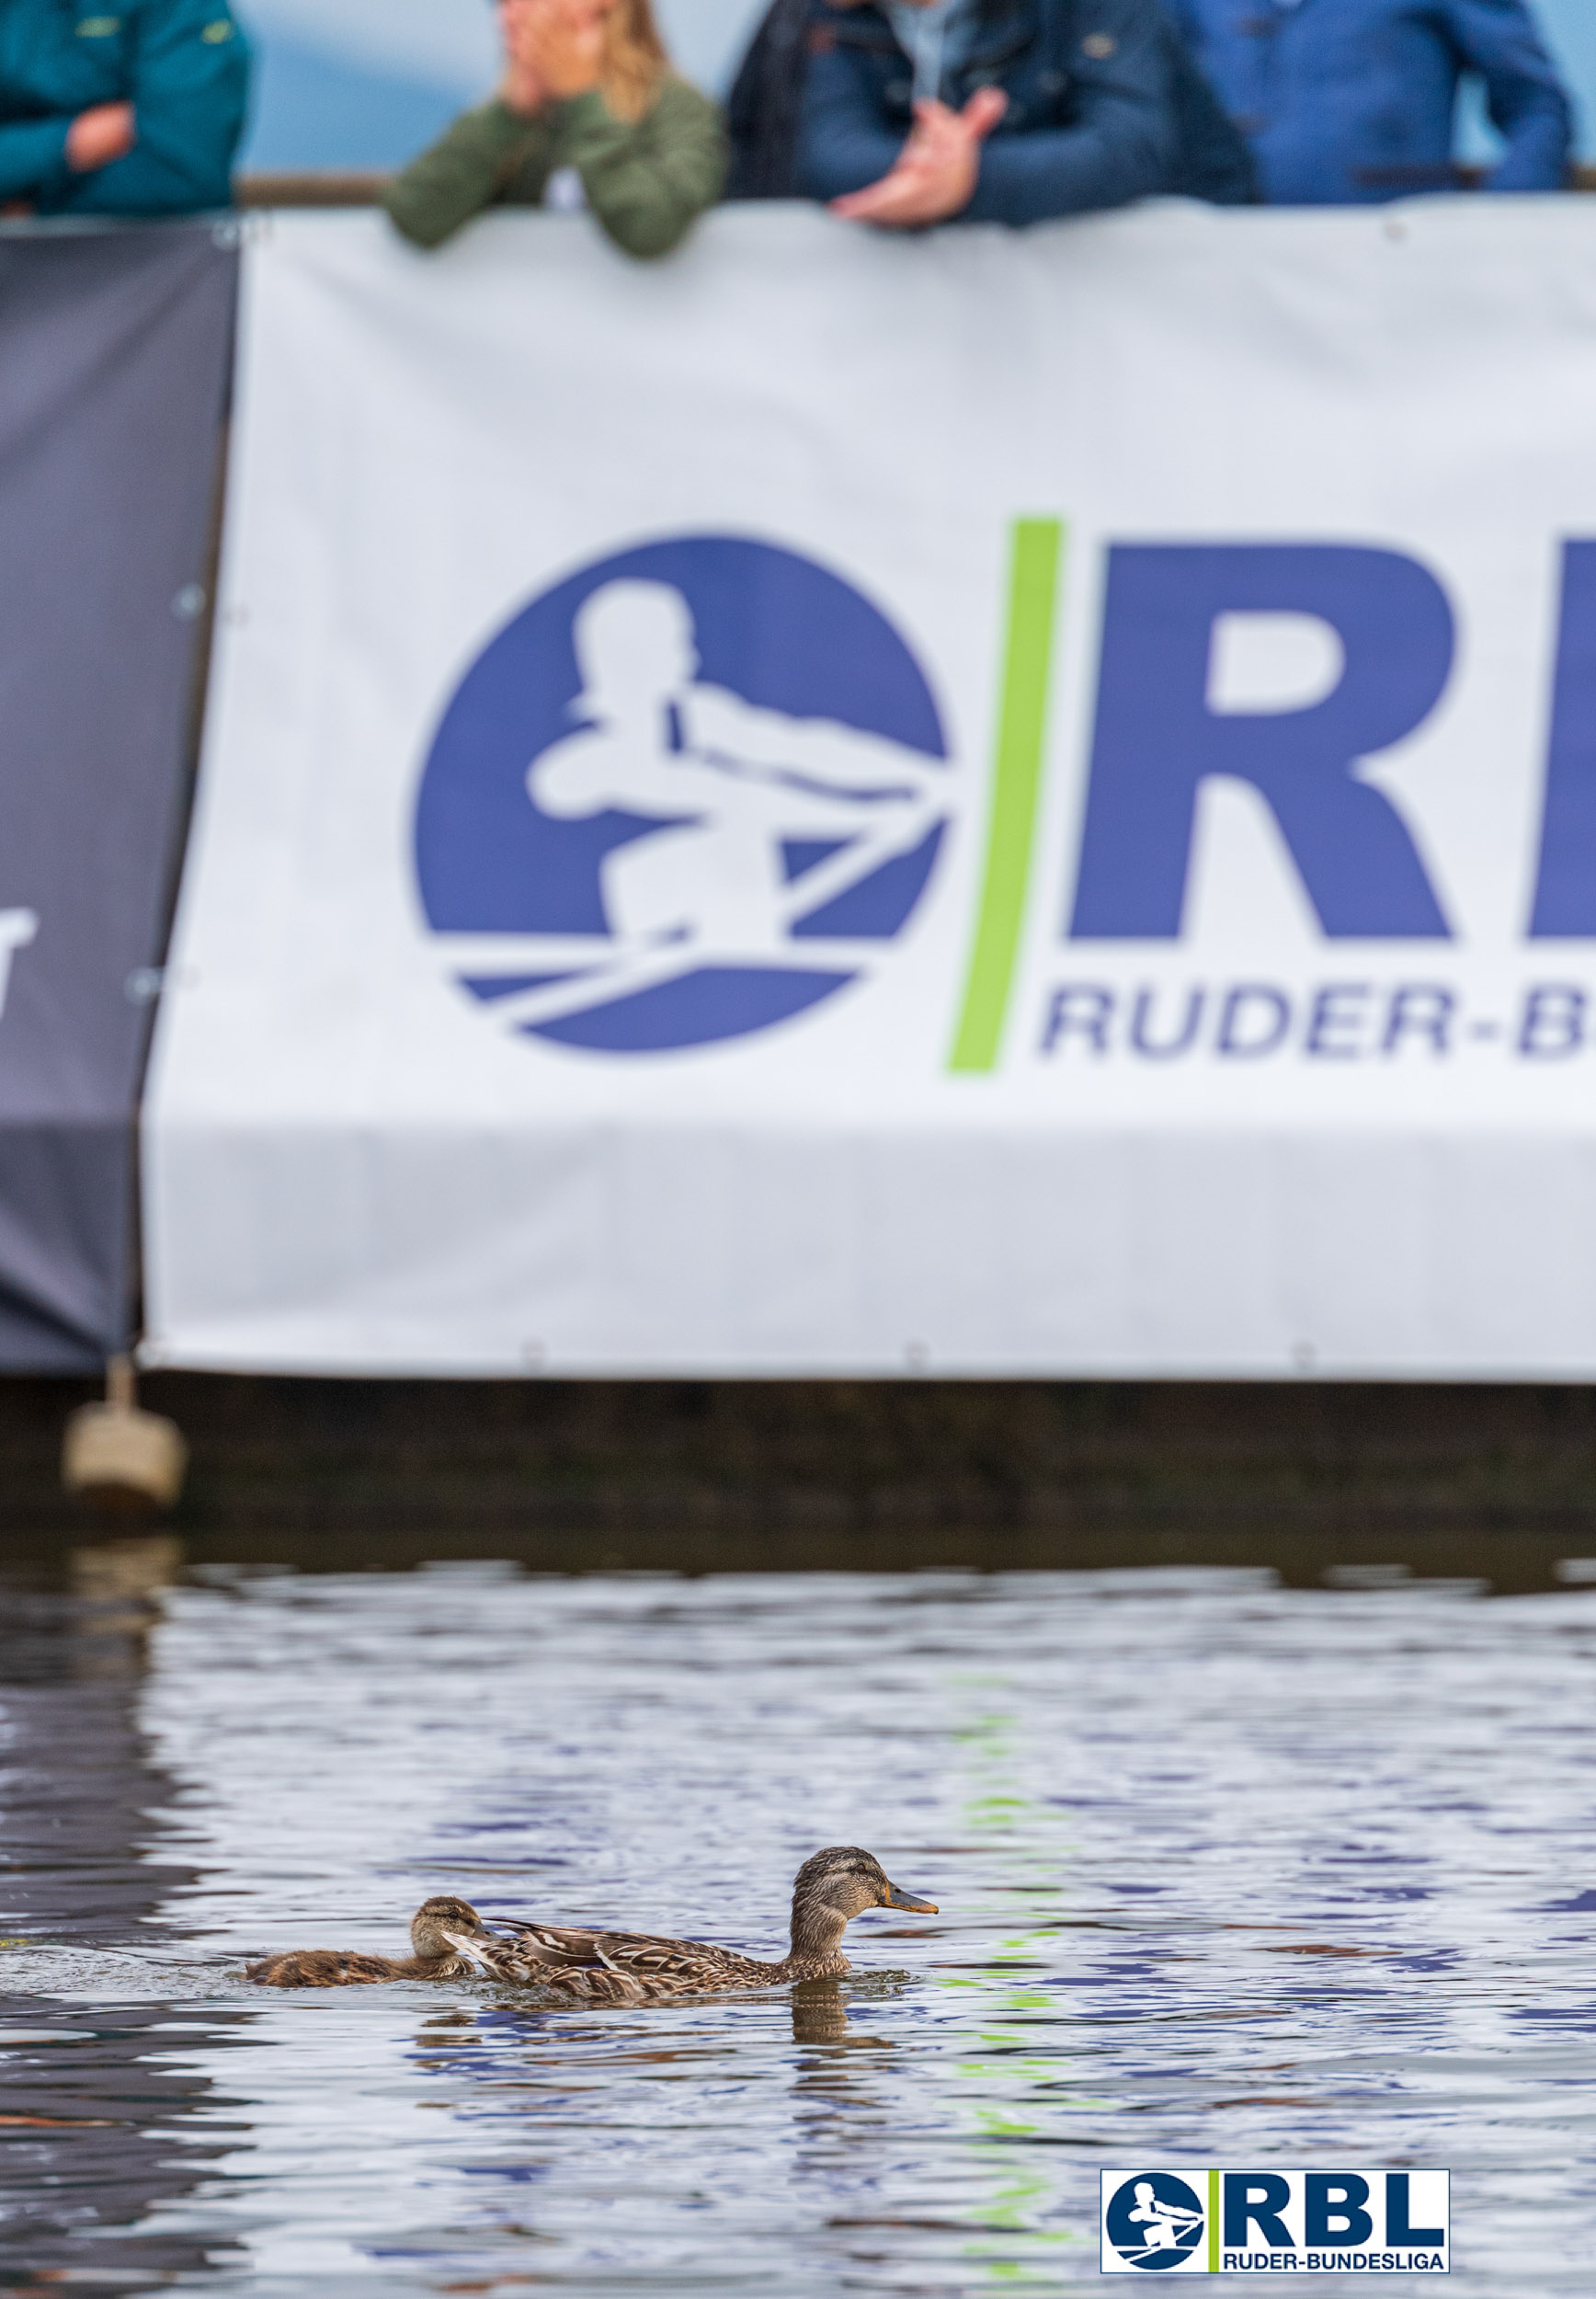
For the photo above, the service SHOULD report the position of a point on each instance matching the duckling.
(440, 1954)
(634, 1968)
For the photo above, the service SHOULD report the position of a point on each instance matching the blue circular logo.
(689, 793)
(1154, 2220)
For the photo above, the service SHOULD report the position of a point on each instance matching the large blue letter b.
(1157, 738)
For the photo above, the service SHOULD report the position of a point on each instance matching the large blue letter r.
(1156, 737)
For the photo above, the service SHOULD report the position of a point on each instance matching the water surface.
(1227, 1873)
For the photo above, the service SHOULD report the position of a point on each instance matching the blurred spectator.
(1355, 101)
(135, 112)
(907, 112)
(590, 113)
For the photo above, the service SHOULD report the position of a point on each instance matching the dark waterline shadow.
(96, 2122)
(1485, 1480)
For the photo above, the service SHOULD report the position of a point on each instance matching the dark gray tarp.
(114, 360)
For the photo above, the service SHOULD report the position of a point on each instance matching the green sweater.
(645, 183)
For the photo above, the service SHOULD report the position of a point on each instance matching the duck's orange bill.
(896, 1899)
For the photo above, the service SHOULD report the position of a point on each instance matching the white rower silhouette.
(1165, 2223)
(728, 785)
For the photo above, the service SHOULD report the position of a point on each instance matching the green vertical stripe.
(1016, 789)
(1214, 2223)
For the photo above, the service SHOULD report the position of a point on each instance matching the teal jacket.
(184, 66)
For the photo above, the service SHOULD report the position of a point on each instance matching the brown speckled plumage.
(435, 1956)
(452, 1942)
(634, 1967)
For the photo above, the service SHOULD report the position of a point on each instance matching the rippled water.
(1227, 1873)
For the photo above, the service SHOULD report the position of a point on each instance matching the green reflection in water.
(1013, 2244)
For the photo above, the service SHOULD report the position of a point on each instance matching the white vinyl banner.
(974, 803)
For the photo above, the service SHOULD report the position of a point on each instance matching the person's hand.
(99, 136)
(521, 89)
(936, 173)
(560, 42)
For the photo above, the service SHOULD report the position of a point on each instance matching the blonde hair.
(635, 63)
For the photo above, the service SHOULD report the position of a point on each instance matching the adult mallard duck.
(634, 1968)
(438, 1954)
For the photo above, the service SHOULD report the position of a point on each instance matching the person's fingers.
(529, 21)
(890, 201)
(878, 203)
(936, 127)
(858, 206)
(103, 133)
(984, 110)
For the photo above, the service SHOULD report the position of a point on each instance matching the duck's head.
(834, 1887)
(435, 1918)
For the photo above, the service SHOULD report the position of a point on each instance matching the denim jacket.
(1104, 107)
(1353, 101)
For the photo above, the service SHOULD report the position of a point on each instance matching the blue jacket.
(1104, 107)
(1353, 101)
(183, 64)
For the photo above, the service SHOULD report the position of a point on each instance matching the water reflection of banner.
(114, 351)
(993, 803)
